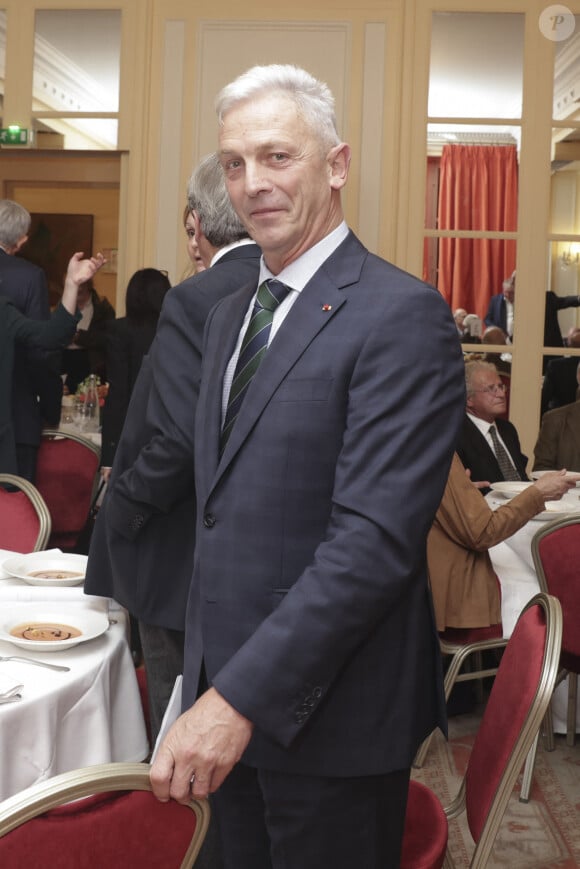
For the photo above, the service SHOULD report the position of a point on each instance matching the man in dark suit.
(500, 311)
(309, 608)
(478, 448)
(558, 444)
(141, 549)
(559, 385)
(36, 384)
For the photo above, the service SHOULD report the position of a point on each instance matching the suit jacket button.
(137, 521)
(209, 520)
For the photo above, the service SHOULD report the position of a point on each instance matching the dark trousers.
(163, 658)
(26, 456)
(271, 820)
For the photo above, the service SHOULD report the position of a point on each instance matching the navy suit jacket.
(37, 386)
(477, 455)
(18, 331)
(496, 312)
(310, 603)
(141, 550)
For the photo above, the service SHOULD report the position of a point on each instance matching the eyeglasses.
(493, 390)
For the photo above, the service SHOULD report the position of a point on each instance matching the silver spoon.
(34, 661)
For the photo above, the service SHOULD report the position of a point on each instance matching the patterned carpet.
(542, 834)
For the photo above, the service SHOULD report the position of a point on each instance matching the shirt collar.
(223, 250)
(481, 424)
(299, 272)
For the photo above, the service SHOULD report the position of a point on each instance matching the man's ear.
(338, 161)
(20, 243)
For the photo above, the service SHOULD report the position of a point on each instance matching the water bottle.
(92, 405)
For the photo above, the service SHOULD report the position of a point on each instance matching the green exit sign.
(13, 136)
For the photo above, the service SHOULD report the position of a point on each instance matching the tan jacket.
(463, 582)
(558, 443)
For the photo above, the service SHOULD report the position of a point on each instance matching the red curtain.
(478, 190)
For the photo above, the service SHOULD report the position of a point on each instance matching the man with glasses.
(489, 446)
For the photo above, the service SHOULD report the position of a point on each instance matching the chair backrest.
(556, 554)
(66, 475)
(124, 825)
(518, 701)
(24, 516)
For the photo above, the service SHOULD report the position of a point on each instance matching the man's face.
(509, 291)
(284, 188)
(488, 399)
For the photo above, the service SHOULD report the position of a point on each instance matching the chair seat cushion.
(465, 636)
(426, 830)
(123, 829)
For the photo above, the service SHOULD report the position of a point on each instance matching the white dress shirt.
(484, 428)
(296, 276)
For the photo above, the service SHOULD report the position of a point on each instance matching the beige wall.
(60, 183)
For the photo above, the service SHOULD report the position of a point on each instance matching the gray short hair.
(472, 369)
(14, 222)
(207, 195)
(313, 98)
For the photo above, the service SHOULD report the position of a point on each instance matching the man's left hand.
(200, 749)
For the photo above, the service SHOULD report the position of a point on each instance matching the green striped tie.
(254, 346)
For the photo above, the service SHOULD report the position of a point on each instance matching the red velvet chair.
(556, 555)
(122, 825)
(24, 517)
(66, 477)
(518, 701)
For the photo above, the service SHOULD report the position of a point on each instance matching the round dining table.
(62, 720)
(513, 563)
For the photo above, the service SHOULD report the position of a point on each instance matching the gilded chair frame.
(84, 782)
(72, 436)
(526, 738)
(548, 727)
(460, 653)
(39, 504)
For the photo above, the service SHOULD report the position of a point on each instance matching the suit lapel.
(315, 307)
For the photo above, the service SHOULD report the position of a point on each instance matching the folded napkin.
(9, 689)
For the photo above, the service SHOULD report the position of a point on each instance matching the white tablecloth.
(94, 436)
(512, 561)
(87, 716)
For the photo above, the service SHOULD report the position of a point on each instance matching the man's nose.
(256, 179)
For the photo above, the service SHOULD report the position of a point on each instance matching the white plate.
(21, 566)
(537, 474)
(510, 488)
(90, 622)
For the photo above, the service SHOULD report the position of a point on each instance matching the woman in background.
(128, 340)
(192, 248)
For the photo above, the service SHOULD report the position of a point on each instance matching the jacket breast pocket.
(304, 389)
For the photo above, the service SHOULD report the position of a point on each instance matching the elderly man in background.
(558, 444)
(489, 446)
(321, 409)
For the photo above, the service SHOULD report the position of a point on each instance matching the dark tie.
(507, 469)
(254, 345)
